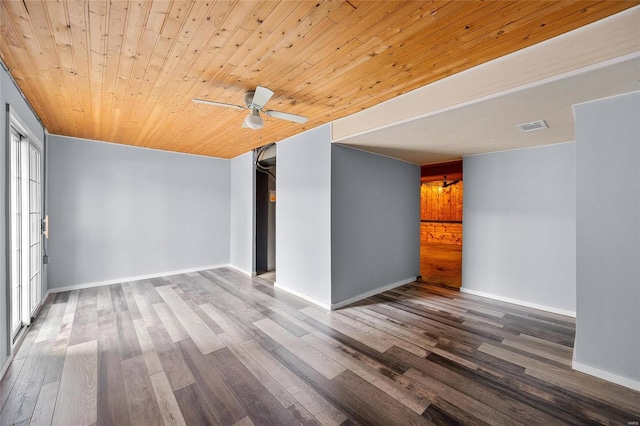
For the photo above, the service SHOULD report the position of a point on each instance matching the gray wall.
(375, 222)
(118, 211)
(303, 214)
(608, 235)
(242, 213)
(519, 218)
(9, 94)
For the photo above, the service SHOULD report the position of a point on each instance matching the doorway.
(24, 226)
(265, 246)
(441, 197)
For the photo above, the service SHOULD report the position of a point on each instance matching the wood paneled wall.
(441, 213)
(441, 204)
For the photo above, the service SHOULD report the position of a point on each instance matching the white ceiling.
(488, 123)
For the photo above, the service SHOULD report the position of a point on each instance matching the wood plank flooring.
(441, 264)
(216, 347)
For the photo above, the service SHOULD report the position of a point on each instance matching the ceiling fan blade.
(204, 101)
(286, 116)
(261, 97)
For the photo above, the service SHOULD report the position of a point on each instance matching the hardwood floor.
(441, 264)
(217, 347)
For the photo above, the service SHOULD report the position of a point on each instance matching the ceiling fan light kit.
(253, 120)
(255, 102)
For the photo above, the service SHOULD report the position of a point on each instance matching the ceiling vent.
(534, 125)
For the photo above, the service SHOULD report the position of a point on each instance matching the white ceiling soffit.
(477, 110)
(490, 125)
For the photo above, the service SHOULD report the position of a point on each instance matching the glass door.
(26, 229)
(35, 230)
(16, 231)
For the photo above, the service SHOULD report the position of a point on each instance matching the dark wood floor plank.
(299, 389)
(302, 415)
(62, 297)
(206, 340)
(88, 296)
(261, 406)
(150, 293)
(313, 357)
(117, 297)
(132, 306)
(104, 303)
(224, 404)
(357, 398)
(170, 322)
(557, 318)
(263, 376)
(379, 376)
(383, 358)
(452, 350)
(238, 280)
(286, 324)
(243, 324)
(147, 312)
(241, 305)
(127, 337)
(475, 390)
(470, 405)
(223, 323)
(407, 332)
(195, 409)
(560, 403)
(141, 400)
(433, 325)
(173, 364)
(444, 413)
(215, 327)
(108, 330)
(112, 404)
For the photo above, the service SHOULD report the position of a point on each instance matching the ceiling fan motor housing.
(248, 98)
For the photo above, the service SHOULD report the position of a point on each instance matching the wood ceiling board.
(605, 40)
(490, 125)
(126, 71)
(436, 172)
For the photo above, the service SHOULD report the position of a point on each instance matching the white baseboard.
(242, 271)
(371, 293)
(5, 366)
(128, 279)
(605, 375)
(333, 306)
(323, 305)
(519, 302)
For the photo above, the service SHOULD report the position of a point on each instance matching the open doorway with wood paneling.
(441, 194)
(265, 244)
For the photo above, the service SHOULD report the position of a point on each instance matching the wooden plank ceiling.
(126, 71)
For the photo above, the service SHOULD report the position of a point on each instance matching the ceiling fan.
(446, 184)
(255, 101)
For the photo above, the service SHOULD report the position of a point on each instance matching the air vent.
(534, 125)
